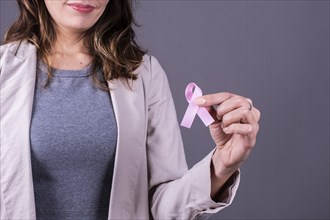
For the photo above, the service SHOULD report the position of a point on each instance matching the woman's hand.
(234, 132)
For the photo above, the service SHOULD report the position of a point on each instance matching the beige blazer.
(151, 179)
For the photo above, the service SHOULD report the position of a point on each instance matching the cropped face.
(75, 15)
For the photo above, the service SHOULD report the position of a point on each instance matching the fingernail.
(199, 101)
(226, 129)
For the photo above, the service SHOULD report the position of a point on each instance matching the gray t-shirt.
(73, 141)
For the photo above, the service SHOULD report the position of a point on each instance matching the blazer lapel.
(130, 109)
(17, 90)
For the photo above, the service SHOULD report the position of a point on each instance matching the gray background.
(276, 53)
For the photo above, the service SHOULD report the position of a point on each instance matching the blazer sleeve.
(175, 191)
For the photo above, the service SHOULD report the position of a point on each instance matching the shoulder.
(4, 50)
(154, 80)
(18, 49)
(150, 70)
(9, 47)
(149, 63)
(21, 49)
(13, 55)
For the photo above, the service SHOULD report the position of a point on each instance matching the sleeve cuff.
(202, 174)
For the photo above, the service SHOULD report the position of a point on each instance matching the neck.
(69, 43)
(69, 52)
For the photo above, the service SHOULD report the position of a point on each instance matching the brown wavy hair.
(111, 40)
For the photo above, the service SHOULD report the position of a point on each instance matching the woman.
(88, 125)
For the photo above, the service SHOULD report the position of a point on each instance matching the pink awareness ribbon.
(192, 92)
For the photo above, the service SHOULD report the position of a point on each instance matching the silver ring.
(251, 104)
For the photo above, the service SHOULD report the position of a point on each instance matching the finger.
(241, 114)
(213, 99)
(244, 116)
(246, 130)
(231, 104)
(250, 102)
(256, 113)
(238, 128)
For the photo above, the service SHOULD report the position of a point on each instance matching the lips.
(82, 8)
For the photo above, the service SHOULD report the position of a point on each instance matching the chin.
(79, 27)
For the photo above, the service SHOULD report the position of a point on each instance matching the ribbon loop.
(192, 92)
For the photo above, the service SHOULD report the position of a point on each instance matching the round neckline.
(86, 71)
